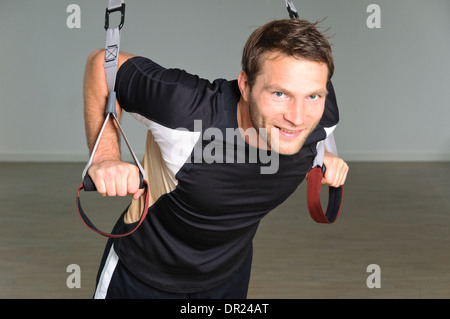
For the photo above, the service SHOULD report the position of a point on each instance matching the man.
(208, 187)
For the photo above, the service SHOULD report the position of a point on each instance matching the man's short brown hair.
(293, 37)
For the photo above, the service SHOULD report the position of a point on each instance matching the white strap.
(112, 56)
(112, 45)
(330, 144)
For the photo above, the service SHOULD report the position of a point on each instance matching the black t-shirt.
(197, 236)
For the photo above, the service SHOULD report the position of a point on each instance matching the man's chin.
(285, 146)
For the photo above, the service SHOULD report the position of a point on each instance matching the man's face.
(287, 100)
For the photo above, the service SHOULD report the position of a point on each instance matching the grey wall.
(392, 83)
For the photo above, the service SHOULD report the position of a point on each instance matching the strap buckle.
(122, 16)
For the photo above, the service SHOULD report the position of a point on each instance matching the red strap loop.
(314, 184)
(91, 226)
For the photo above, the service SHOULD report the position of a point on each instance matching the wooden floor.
(395, 215)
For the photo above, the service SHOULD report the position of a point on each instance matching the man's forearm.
(111, 176)
(95, 95)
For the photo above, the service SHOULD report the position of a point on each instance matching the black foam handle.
(89, 186)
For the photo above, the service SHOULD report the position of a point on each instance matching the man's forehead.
(288, 73)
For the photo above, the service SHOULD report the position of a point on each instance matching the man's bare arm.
(111, 176)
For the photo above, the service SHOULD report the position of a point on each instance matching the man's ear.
(244, 87)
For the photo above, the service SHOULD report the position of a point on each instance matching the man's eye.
(279, 94)
(314, 97)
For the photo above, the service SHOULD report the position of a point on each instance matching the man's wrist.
(110, 157)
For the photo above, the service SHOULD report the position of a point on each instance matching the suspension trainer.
(314, 177)
(111, 61)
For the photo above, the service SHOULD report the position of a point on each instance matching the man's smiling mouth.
(288, 133)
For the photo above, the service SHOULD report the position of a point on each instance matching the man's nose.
(295, 113)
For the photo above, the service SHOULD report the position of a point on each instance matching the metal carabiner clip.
(291, 9)
(122, 16)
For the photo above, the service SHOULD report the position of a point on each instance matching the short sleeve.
(170, 97)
